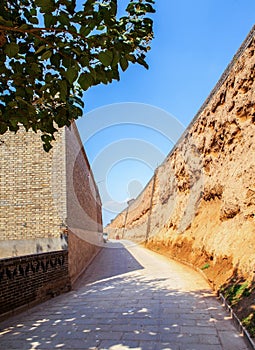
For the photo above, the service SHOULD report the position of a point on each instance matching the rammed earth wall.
(200, 205)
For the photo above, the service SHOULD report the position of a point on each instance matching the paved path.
(129, 298)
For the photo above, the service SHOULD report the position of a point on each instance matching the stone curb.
(238, 323)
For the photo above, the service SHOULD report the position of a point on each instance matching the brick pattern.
(32, 201)
(43, 193)
(32, 279)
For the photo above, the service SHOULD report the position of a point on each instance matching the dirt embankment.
(200, 205)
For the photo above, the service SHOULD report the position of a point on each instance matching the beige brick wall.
(41, 193)
(29, 191)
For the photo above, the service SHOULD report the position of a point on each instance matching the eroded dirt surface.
(200, 205)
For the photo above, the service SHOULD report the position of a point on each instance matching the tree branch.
(35, 30)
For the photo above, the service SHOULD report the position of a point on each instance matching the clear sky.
(130, 126)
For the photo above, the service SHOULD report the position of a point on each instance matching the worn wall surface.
(200, 205)
(83, 200)
(81, 253)
(84, 219)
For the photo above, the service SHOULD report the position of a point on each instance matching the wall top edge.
(28, 257)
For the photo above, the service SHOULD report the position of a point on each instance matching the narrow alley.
(128, 298)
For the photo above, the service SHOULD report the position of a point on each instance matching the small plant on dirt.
(249, 324)
(237, 291)
(240, 295)
(205, 266)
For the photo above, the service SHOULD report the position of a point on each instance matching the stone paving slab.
(129, 298)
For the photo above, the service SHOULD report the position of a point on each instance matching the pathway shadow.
(122, 308)
(114, 259)
(120, 313)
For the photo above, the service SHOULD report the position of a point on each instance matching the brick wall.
(84, 219)
(43, 193)
(32, 191)
(27, 280)
(44, 198)
(83, 200)
(81, 253)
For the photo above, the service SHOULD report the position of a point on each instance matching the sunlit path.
(129, 298)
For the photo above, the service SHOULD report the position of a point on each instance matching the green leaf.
(47, 6)
(67, 61)
(71, 74)
(33, 20)
(115, 73)
(101, 75)
(33, 12)
(90, 46)
(101, 27)
(113, 9)
(141, 61)
(40, 49)
(116, 58)
(93, 72)
(130, 58)
(34, 69)
(46, 55)
(86, 81)
(3, 128)
(11, 49)
(5, 22)
(63, 89)
(48, 78)
(149, 8)
(84, 59)
(123, 63)
(106, 58)
(49, 20)
(55, 60)
(77, 100)
(64, 19)
(47, 147)
(85, 30)
(25, 26)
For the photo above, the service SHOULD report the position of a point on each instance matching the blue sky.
(194, 42)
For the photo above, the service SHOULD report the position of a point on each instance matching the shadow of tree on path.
(121, 309)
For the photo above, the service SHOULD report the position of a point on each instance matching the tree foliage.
(51, 51)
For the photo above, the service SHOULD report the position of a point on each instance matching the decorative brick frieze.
(33, 278)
